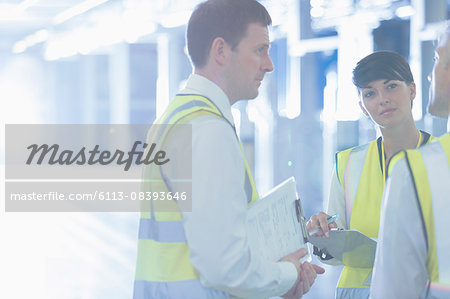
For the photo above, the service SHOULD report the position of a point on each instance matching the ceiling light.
(77, 10)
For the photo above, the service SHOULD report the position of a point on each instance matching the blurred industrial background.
(121, 61)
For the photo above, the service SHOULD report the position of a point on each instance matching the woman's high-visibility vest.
(430, 168)
(362, 174)
(163, 268)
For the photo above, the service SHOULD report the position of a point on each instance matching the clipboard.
(301, 219)
(351, 247)
(276, 225)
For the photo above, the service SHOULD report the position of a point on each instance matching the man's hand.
(307, 273)
(320, 220)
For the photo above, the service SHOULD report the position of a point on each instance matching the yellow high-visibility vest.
(163, 268)
(362, 174)
(430, 168)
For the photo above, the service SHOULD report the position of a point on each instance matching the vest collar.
(197, 84)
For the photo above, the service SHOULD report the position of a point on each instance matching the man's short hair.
(228, 19)
(444, 41)
(445, 33)
(381, 65)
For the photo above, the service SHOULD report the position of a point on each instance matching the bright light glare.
(136, 24)
(293, 100)
(176, 19)
(25, 4)
(252, 113)
(381, 2)
(74, 255)
(237, 120)
(39, 36)
(316, 3)
(347, 109)
(19, 47)
(110, 29)
(293, 109)
(20, 87)
(356, 41)
(329, 97)
(31, 40)
(15, 12)
(9, 12)
(405, 11)
(62, 47)
(317, 12)
(77, 10)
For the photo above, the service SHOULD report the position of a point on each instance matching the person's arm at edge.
(399, 269)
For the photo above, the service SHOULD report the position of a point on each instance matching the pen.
(330, 219)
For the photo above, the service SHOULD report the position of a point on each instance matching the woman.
(386, 90)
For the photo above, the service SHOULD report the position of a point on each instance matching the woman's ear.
(363, 109)
(412, 88)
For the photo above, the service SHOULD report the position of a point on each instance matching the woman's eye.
(368, 94)
(392, 85)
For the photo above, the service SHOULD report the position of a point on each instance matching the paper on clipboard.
(273, 227)
(351, 247)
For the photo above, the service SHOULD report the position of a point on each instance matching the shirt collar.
(197, 84)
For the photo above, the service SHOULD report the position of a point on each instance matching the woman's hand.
(320, 221)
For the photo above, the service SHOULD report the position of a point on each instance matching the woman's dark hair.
(381, 65)
(228, 19)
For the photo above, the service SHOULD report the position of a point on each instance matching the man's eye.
(262, 50)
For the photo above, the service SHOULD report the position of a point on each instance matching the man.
(205, 253)
(413, 254)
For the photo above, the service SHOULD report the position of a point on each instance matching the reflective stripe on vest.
(352, 168)
(439, 291)
(361, 174)
(163, 267)
(357, 167)
(430, 169)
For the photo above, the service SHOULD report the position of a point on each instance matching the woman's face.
(388, 102)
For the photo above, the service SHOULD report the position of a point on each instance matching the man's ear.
(219, 50)
(412, 87)
(363, 109)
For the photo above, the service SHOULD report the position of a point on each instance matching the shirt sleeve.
(215, 229)
(336, 201)
(399, 270)
(335, 205)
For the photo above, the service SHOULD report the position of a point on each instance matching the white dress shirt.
(215, 229)
(399, 270)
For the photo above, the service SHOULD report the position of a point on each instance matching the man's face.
(440, 81)
(249, 62)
